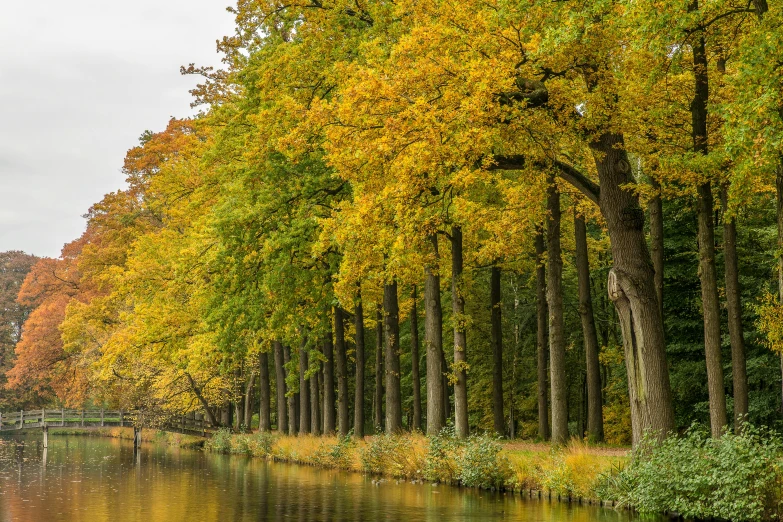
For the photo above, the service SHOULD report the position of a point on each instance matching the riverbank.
(571, 472)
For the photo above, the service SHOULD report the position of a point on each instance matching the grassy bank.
(571, 471)
(147, 435)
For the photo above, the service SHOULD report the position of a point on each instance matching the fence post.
(43, 417)
(101, 417)
(82, 418)
(121, 421)
(62, 417)
(21, 419)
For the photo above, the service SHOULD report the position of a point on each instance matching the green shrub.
(339, 455)
(480, 464)
(440, 464)
(220, 442)
(735, 477)
(556, 476)
(263, 443)
(394, 455)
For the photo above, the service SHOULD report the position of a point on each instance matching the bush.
(220, 442)
(735, 477)
(263, 443)
(394, 455)
(480, 464)
(441, 460)
(572, 471)
(339, 455)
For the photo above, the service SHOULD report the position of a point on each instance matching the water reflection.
(95, 479)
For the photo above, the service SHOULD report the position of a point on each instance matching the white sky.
(80, 80)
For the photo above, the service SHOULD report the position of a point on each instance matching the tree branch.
(567, 172)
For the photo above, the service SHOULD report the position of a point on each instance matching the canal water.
(93, 479)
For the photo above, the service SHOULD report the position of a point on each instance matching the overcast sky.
(80, 81)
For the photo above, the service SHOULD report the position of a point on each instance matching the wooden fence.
(22, 420)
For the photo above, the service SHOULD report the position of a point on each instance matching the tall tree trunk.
(378, 400)
(734, 307)
(238, 416)
(304, 391)
(460, 336)
(293, 399)
(415, 375)
(655, 207)
(595, 422)
(358, 407)
(329, 421)
(247, 401)
(320, 376)
(707, 271)
(631, 288)
(392, 333)
(496, 340)
(315, 404)
(280, 388)
(554, 294)
(433, 341)
(264, 417)
(542, 337)
(779, 192)
(342, 372)
(446, 388)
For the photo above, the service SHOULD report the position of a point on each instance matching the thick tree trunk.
(433, 341)
(707, 271)
(342, 372)
(392, 356)
(329, 421)
(320, 377)
(304, 391)
(460, 336)
(496, 340)
(542, 338)
(378, 398)
(632, 289)
(225, 415)
(554, 295)
(358, 407)
(264, 416)
(293, 400)
(238, 416)
(315, 404)
(779, 192)
(446, 388)
(595, 421)
(280, 388)
(415, 374)
(655, 207)
(247, 401)
(734, 307)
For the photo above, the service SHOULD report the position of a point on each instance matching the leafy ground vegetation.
(480, 461)
(541, 220)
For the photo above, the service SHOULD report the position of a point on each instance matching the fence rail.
(62, 418)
